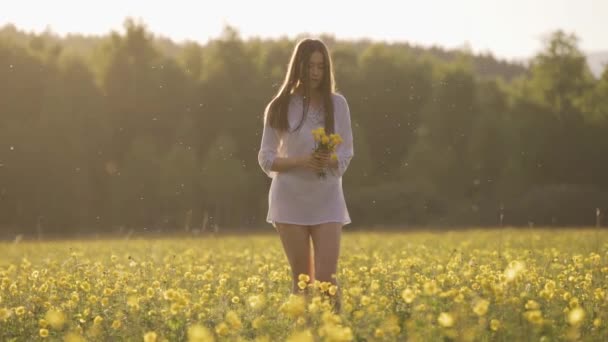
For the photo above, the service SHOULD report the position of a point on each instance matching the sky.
(509, 29)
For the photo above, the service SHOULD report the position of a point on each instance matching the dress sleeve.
(268, 148)
(344, 151)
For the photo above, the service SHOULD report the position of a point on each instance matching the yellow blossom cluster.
(471, 285)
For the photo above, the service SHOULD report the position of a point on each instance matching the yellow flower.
(133, 301)
(318, 133)
(301, 336)
(336, 139)
(4, 314)
(302, 285)
(408, 295)
(198, 333)
(86, 287)
(445, 320)
(355, 291)
(481, 307)
(534, 316)
(150, 336)
(233, 319)
(294, 306)
(258, 322)
(175, 308)
(44, 333)
(235, 300)
(92, 299)
(116, 324)
(98, 320)
(335, 332)
(494, 324)
(303, 277)
(325, 140)
(576, 316)
(20, 311)
(532, 305)
(256, 302)
(324, 286)
(459, 298)
(515, 268)
(599, 294)
(222, 329)
(334, 156)
(390, 326)
(333, 289)
(430, 287)
(73, 337)
(597, 322)
(170, 294)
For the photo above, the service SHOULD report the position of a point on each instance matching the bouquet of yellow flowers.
(326, 143)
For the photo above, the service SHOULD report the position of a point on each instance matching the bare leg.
(326, 241)
(296, 243)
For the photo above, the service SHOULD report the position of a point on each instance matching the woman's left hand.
(323, 157)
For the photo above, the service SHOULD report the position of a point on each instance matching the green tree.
(224, 182)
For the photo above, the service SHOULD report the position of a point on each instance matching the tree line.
(134, 131)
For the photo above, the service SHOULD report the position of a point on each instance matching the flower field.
(474, 285)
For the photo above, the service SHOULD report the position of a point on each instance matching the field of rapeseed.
(476, 285)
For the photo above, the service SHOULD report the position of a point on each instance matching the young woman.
(304, 207)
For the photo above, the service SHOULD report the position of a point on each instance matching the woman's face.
(315, 69)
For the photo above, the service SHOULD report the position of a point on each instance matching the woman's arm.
(345, 150)
(282, 164)
(269, 146)
(271, 164)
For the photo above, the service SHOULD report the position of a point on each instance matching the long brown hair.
(298, 72)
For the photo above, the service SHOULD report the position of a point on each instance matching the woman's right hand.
(316, 161)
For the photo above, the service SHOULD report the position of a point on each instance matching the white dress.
(299, 196)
